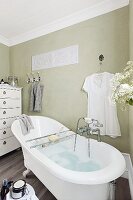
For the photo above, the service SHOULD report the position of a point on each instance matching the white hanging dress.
(100, 105)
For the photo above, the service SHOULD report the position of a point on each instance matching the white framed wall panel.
(57, 58)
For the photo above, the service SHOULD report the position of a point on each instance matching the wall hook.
(39, 78)
(101, 58)
(33, 77)
(28, 81)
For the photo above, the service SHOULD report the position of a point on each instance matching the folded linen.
(25, 123)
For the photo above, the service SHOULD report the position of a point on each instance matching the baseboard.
(125, 174)
(129, 172)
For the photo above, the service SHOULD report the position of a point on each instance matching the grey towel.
(38, 98)
(25, 123)
(36, 95)
(32, 98)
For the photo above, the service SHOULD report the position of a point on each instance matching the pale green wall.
(63, 98)
(131, 58)
(4, 61)
(131, 28)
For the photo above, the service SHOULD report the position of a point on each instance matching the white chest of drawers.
(10, 108)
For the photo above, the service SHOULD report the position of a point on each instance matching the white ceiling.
(22, 20)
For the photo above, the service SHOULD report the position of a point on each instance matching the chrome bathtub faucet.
(82, 130)
(94, 130)
(98, 133)
(89, 130)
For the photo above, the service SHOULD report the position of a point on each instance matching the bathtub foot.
(26, 172)
(112, 190)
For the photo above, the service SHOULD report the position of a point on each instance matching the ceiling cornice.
(4, 41)
(105, 6)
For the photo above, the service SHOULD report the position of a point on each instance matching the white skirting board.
(129, 172)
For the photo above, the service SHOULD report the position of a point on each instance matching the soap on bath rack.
(53, 138)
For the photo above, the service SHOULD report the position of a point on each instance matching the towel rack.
(33, 78)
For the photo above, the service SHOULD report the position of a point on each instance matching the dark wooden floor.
(122, 189)
(11, 167)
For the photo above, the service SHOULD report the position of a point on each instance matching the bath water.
(72, 162)
(69, 159)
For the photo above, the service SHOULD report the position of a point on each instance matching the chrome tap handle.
(82, 130)
(88, 120)
(96, 123)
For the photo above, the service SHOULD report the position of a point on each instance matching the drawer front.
(10, 93)
(6, 123)
(8, 144)
(10, 103)
(5, 113)
(5, 133)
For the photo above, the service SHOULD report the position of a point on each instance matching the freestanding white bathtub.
(67, 174)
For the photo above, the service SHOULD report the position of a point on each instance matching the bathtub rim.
(101, 176)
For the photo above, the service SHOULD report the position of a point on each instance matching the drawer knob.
(4, 102)
(4, 122)
(4, 142)
(4, 112)
(4, 132)
(4, 92)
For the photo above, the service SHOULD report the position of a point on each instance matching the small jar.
(18, 189)
(13, 81)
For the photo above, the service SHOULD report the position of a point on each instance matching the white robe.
(100, 105)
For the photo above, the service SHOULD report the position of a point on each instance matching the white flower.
(126, 87)
(122, 85)
(130, 62)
